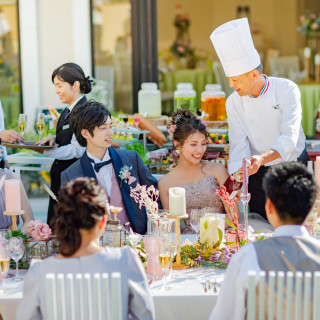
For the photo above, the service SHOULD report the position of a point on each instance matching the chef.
(264, 113)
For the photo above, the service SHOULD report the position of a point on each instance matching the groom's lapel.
(125, 189)
(87, 167)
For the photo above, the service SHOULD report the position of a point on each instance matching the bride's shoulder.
(216, 170)
(167, 180)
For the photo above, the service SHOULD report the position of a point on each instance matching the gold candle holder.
(178, 265)
(14, 217)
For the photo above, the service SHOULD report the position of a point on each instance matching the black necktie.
(66, 113)
(98, 166)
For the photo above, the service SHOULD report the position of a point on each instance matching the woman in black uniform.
(71, 84)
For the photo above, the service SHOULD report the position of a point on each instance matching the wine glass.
(40, 124)
(195, 216)
(4, 255)
(136, 120)
(22, 121)
(131, 120)
(16, 253)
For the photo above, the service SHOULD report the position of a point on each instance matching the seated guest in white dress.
(291, 192)
(6, 221)
(79, 220)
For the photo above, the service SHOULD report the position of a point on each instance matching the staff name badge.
(67, 126)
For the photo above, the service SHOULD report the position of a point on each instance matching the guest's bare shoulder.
(216, 170)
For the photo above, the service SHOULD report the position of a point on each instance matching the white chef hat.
(235, 48)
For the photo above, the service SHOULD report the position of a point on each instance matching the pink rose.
(38, 230)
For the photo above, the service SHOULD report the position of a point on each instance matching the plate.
(27, 145)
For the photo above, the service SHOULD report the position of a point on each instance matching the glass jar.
(114, 235)
(40, 249)
(234, 236)
(158, 224)
(185, 97)
(149, 100)
(213, 103)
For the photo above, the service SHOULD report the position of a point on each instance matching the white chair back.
(288, 296)
(83, 297)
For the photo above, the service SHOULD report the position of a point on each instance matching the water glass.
(16, 253)
(195, 216)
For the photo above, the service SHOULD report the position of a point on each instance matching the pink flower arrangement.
(38, 230)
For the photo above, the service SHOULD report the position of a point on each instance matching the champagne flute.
(4, 257)
(22, 123)
(164, 260)
(16, 253)
(40, 124)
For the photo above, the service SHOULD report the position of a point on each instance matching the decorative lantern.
(40, 249)
(115, 235)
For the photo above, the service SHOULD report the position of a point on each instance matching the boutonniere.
(276, 107)
(125, 175)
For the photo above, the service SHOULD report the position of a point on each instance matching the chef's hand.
(11, 136)
(256, 163)
(49, 140)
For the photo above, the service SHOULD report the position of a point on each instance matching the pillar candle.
(317, 169)
(317, 59)
(12, 195)
(177, 201)
(307, 52)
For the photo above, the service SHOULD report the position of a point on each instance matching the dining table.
(185, 298)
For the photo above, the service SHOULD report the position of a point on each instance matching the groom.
(115, 170)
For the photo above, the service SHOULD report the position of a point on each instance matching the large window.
(112, 52)
(10, 94)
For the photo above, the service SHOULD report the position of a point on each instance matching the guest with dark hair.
(291, 192)
(198, 177)
(71, 84)
(115, 170)
(80, 219)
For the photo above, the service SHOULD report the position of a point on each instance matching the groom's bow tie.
(98, 166)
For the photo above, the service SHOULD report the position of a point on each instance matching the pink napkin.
(153, 246)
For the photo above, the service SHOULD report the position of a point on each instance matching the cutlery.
(214, 286)
(204, 282)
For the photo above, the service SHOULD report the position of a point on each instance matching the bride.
(198, 177)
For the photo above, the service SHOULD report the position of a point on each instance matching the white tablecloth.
(185, 300)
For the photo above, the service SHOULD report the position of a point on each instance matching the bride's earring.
(178, 150)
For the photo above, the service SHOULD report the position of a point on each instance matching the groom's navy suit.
(120, 158)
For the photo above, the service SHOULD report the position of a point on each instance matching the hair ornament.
(171, 131)
(96, 217)
(177, 118)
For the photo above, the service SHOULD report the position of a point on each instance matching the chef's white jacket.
(270, 121)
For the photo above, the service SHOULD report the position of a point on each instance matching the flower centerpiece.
(310, 27)
(181, 46)
(39, 244)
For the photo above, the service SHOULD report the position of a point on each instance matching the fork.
(204, 282)
(214, 285)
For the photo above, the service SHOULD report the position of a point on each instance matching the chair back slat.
(51, 302)
(272, 280)
(307, 296)
(280, 279)
(316, 293)
(87, 296)
(83, 297)
(97, 308)
(298, 293)
(288, 295)
(251, 295)
(79, 301)
(106, 297)
(262, 287)
(116, 296)
(61, 297)
(71, 312)
(289, 290)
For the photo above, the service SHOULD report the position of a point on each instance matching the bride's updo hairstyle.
(71, 72)
(184, 123)
(82, 203)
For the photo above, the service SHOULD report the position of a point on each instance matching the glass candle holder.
(40, 249)
(235, 236)
(114, 235)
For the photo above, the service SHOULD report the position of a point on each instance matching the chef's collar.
(264, 89)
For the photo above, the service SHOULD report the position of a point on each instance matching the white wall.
(52, 32)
